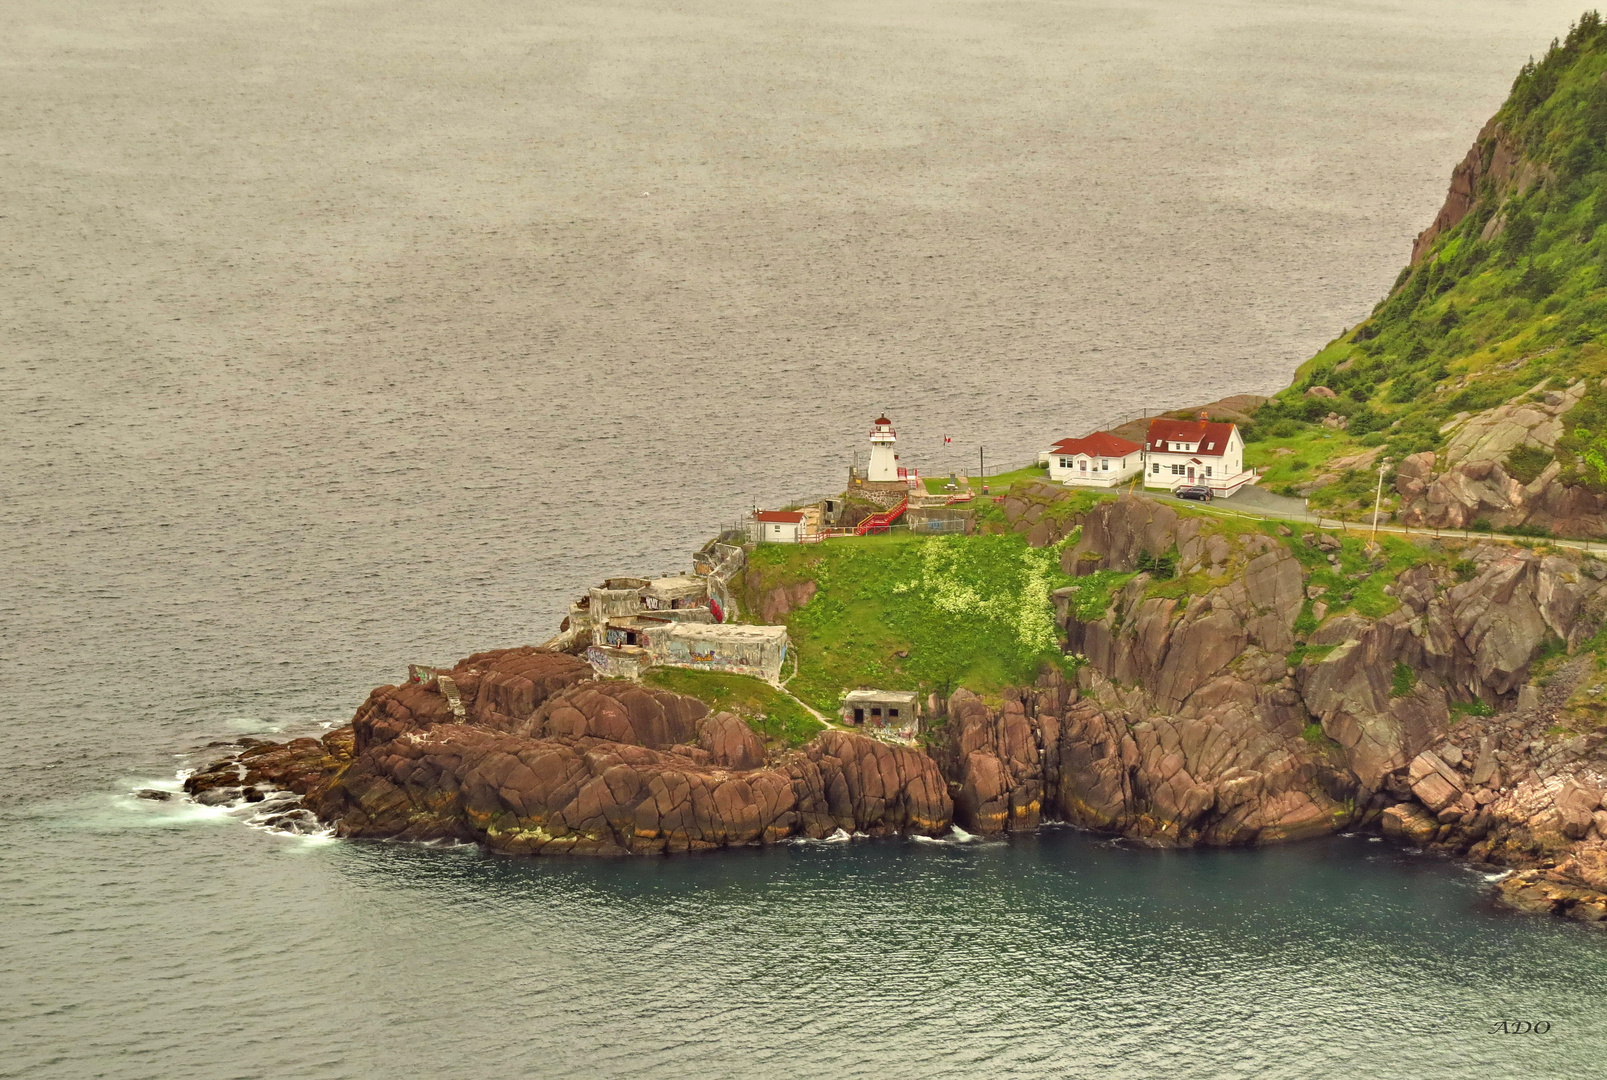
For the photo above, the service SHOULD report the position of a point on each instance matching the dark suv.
(1198, 492)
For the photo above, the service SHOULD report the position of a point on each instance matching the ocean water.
(336, 336)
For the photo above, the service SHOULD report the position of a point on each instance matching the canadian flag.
(947, 440)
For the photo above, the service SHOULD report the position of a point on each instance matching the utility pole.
(1378, 497)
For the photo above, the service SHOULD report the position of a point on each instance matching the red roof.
(781, 517)
(883, 420)
(1099, 444)
(1212, 439)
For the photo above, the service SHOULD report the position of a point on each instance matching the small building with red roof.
(777, 527)
(1097, 460)
(1195, 453)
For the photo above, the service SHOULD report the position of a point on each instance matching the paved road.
(1253, 502)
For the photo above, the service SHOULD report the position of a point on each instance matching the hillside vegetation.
(1506, 297)
(903, 612)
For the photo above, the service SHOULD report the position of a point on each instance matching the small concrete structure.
(674, 593)
(743, 650)
(619, 662)
(892, 712)
(940, 519)
(776, 527)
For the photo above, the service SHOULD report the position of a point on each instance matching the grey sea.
(342, 334)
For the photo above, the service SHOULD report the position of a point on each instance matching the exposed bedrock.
(552, 761)
(1469, 481)
(1189, 726)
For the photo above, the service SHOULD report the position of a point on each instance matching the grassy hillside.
(1511, 296)
(903, 612)
(771, 713)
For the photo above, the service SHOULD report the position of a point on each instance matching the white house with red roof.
(1097, 460)
(777, 527)
(1191, 453)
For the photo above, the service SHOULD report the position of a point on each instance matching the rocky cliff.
(1227, 705)
(551, 761)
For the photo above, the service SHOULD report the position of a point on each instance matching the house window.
(778, 528)
(892, 714)
(1104, 464)
(1065, 463)
(1157, 467)
(1177, 470)
(1208, 470)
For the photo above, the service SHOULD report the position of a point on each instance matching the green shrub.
(1404, 682)
(1159, 567)
(1526, 463)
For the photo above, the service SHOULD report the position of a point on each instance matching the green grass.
(1476, 707)
(1312, 445)
(1359, 582)
(1094, 592)
(972, 611)
(1307, 652)
(1403, 682)
(768, 711)
(1317, 738)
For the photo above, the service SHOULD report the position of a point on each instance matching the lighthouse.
(883, 462)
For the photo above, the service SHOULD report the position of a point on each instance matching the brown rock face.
(1030, 509)
(777, 603)
(730, 742)
(1408, 824)
(994, 758)
(551, 761)
(621, 712)
(1576, 807)
(1493, 156)
(499, 689)
(589, 796)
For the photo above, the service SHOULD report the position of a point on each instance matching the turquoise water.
(1061, 954)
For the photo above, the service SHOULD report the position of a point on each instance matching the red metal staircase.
(880, 523)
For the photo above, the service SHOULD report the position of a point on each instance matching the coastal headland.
(1170, 674)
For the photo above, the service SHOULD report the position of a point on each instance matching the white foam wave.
(841, 836)
(956, 836)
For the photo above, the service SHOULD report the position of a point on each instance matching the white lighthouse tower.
(883, 466)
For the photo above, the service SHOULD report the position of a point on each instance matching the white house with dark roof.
(1097, 460)
(1189, 453)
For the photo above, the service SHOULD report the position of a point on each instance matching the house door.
(859, 716)
(1191, 472)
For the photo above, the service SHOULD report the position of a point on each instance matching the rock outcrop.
(1470, 480)
(1189, 726)
(1495, 163)
(551, 761)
